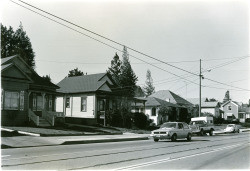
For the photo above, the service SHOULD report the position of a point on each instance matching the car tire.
(201, 132)
(156, 140)
(189, 137)
(238, 131)
(174, 137)
(211, 132)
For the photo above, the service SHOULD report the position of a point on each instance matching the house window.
(34, 102)
(83, 104)
(101, 105)
(39, 103)
(241, 115)
(67, 102)
(50, 102)
(229, 107)
(22, 100)
(11, 100)
(114, 104)
(153, 111)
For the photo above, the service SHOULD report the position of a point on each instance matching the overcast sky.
(176, 31)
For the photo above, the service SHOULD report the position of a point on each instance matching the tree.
(212, 100)
(46, 78)
(149, 88)
(115, 69)
(75, 72)
(227, 97)
(17, 43)
(128, 78)
(166, 114)
(139, 92)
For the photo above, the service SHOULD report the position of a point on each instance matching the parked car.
(232, 128)
(173, 131)
(202, 125)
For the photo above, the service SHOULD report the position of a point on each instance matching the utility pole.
(200, 91)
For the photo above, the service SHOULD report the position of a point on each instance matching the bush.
(218, 120)
(140, 120)
(248, 120)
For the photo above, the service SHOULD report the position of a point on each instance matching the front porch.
(41, 109)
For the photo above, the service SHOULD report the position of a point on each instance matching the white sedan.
(232, 128)
(173, 131)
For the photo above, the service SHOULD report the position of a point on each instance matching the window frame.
(83, 98)
(153, 111)
(11, 99)
(67, 102)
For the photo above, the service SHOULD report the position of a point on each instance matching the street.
(226, 151)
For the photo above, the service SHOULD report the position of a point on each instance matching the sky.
(178, 32)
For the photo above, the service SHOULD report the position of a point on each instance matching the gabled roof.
(209, 104)
(230, 101)
(7, 59)
(196, 100)
(153, 101)
(85, 83)
(172, 97)
(245, 110)
(15, 60)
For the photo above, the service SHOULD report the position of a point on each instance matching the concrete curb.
(20, 132)
(4, 146)
(103, 140)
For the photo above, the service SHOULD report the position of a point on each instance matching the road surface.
(231, 151)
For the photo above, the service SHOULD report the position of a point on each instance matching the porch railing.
(33, 117)
(48, 117)
(56, 114)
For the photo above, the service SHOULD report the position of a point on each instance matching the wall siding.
(75, 106)
(234, 110)
(15, 117)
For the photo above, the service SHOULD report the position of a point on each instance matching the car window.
(180, 126)
(168, 125)
(185, 126)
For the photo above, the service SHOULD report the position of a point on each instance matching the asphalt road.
(231, 151)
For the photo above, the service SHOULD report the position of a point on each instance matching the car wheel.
(238, 131)
(156, 140)
(234, 131)
(189, 137)
(201, 132)
(211, 132)
(174, 137)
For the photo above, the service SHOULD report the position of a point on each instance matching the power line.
(113, 41)
(226, 63)
(104, 43)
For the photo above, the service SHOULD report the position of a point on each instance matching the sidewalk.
(33, 140)
(36, 141)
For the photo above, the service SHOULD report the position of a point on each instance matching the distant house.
(244, 113)
(152, 108)
(231, 110)
(85, 99)
(166, 98)
(171, 97)
(25, 95)
(212, 107)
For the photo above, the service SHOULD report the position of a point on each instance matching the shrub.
(140, 120)
(218, 120)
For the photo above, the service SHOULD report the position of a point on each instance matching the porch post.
(28, 101)
(43, 94)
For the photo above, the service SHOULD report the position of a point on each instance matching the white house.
(86, 97)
